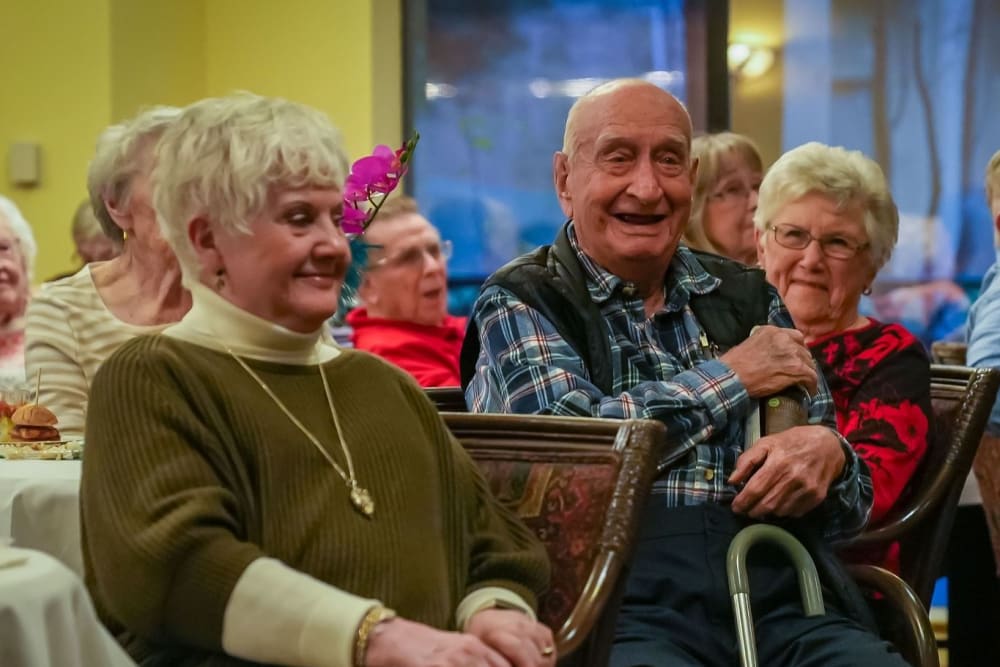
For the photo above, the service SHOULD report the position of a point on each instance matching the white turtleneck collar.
(213, 320)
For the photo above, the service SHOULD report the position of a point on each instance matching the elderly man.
(973, 587)
(404, 293)
(615, 319)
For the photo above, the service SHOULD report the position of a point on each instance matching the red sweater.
(428, 353)
(879, 376)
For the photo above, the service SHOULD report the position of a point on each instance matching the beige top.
(70, 333)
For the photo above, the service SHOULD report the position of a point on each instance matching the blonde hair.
(85, 224)
(993, 184)
(847, 178)
(711, 150)
(22, 233)
(223, 156)
(119, 157)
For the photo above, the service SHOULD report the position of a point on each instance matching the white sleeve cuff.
(487, 598)
(279, 615)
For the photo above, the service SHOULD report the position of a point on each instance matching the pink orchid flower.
(372, 178)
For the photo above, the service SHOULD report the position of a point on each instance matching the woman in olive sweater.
(253, 493)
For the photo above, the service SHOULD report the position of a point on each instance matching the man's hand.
(402, 643)
(522, 641)
(771, 359)
(789, 473)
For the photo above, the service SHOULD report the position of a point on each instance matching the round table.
(40, 508)
(47, 618)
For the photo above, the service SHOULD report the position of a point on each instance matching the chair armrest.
(915, 641)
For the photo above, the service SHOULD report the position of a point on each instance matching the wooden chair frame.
(585, 636)
(923, 521)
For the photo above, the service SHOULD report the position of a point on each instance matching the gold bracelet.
(375, 615)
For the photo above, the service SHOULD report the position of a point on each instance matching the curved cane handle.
(739, 583)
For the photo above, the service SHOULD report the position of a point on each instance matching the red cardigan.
(879, 376)
(428, 353)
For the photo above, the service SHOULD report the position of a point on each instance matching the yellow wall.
(55, 57)
(757, 103)
(157, 54)
(71, 68)
(319, 52)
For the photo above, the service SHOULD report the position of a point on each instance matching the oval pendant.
(362, 500)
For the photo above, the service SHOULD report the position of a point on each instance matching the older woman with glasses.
(404, 293)
(725, 196)
(825, 224)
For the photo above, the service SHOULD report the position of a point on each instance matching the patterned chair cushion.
(564, 504)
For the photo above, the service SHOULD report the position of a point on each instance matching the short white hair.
(119, 157)
(22, 232)
(848, 178)
(223, 157)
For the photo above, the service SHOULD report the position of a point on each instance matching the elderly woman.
(826, 223)
(92, 243)
(17, 260)
(725, 196)
(75, 323)
(251, 491)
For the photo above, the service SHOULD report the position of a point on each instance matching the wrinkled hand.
(402, 643)
(771, 359)
(514, 635)
(789, 473)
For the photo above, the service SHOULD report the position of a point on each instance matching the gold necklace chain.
(361, 499)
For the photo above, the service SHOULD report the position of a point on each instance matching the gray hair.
(118, 158)
(847, 178)
(223, 156)
(710, 151)
(22, 232)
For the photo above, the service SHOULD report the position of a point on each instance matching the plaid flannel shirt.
(662, 370)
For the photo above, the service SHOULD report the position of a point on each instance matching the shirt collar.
(212, 319)
(684, 276)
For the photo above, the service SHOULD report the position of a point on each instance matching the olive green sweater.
(192, 474)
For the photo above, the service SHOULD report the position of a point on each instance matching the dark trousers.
(677, 610)
(973, 592)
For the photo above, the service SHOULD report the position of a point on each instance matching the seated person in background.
(637, 337)
(826, 223)
(92, 244)
(725, 196)
(91, 241)
(75, 323)
(17, 261)
(403, 316)
(931, 311)
(973, 587)
(252, 492)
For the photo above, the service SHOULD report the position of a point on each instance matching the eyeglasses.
(796, 238)
(413, 258)
(733, 193)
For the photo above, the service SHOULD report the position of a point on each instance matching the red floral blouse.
(879, 376)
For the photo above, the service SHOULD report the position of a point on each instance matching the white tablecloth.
(47, 618)
(40, 508)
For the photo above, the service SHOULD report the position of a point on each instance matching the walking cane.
(780, 413)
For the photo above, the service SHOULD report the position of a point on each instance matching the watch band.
(377, 614)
